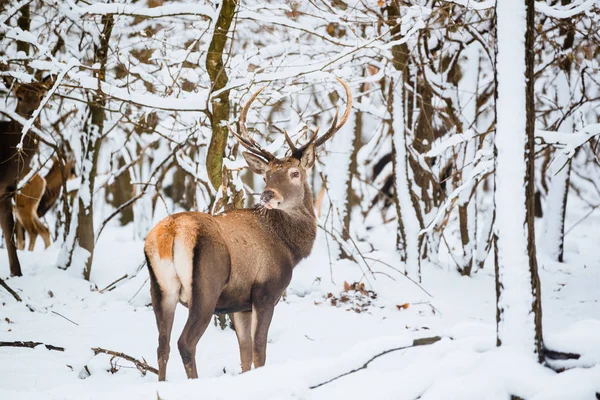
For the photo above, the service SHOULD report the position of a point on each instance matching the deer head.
(286, 179)
(30, 95)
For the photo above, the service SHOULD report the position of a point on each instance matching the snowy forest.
(447, 152)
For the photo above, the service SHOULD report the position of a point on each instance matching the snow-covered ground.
(310, 340)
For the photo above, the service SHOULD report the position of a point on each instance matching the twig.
(9, 290)
(401, 273)
(142, 366)
(31, 345)
(136, 293)
(111, 286)
(416, 342)
(60, 315)
(581, 219)
(123, 279)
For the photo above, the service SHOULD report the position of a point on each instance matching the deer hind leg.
(42, 229)
(32, 232)
(164, 302)
(8, 225)
(243, 323)
(20, 232)
(210, 267)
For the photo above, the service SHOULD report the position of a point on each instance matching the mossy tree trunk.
(215, 66)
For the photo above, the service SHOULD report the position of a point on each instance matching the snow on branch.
(170, 10)
(567, 143)
(445, 142)
(485, 165)
(474, 5)
(73, 62)
(564, 12)
(7, 14)
(192, 103)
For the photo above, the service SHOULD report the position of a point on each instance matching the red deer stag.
(240, 261)
(14, 164)
(35, 198)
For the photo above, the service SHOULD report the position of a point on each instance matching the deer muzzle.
(271, 199)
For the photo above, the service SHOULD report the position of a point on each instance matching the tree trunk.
(410, 226)
(519, 311)
(467, 200)
(556, 207)
(84, 238)
(219, 104)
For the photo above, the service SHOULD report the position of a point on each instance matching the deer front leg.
(242, 322)
(262, 313)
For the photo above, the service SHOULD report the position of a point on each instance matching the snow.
(311, 340)
(308, 343)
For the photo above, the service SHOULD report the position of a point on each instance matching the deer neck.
(297, 230)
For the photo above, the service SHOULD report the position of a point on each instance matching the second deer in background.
(34, 200)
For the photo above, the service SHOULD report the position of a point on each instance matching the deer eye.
(295, 174)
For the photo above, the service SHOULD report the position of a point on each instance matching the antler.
(335, 125)
(244, 138)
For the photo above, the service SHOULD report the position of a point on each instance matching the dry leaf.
(403, 306)
(347, 286)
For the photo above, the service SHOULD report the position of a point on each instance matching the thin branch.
(416, 342)
(9, 290)
(60, 315)
(31, 345)
(142, 366)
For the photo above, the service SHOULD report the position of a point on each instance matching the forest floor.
(319, 331)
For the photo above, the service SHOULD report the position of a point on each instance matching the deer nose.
(267, 195)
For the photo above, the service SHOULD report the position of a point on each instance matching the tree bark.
(219, 104)
(519, 311)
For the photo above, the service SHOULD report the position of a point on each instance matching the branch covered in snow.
(564, 12)
(568, 143)
(474, 4)
(170, 10)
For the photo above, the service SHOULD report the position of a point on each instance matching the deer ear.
(48, 81)
(255, 163)
(308, 157)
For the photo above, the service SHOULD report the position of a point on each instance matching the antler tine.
(251, 145)
(290, 142)
(335, 126)
(244, 138)
(245, 109)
